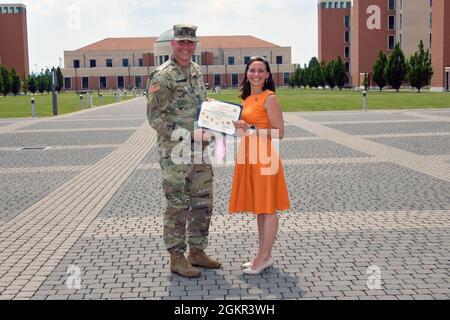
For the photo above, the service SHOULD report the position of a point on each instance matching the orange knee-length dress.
(259, 185)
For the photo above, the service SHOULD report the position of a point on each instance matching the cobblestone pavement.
(370, 216)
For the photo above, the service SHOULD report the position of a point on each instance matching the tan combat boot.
(179, 265)
(199, 258)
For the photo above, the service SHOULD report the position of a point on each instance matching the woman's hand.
(241, 125)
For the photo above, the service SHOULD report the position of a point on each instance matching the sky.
(58, 25)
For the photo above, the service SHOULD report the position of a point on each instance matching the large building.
(358, 30)
(14, 38)
(115, 63)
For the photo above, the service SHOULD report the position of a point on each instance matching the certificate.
(219, 116)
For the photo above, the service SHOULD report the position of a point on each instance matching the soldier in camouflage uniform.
(176, 91)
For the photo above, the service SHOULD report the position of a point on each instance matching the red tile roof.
(207, 42)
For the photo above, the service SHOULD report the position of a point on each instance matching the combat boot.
(179, 265)
(198, 258)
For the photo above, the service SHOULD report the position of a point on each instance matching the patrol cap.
(185, 32)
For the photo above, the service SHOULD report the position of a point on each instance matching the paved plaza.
(81, 210)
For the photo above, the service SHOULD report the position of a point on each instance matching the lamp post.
(54, 97)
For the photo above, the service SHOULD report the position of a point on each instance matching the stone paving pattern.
(367, 189)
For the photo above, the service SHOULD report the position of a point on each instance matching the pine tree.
(329, 75)
(15, 82)
(25, 86)
(395, 70)
(378, 70)
(41, 83)
(59, 79)
(1, 83)
(32, 85)
(419, 68)
(366, 81)
(339, 73)
(6, 79)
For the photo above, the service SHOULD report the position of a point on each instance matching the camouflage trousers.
(189, 192)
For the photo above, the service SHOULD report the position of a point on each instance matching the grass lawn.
(20, 106)
(326, 100)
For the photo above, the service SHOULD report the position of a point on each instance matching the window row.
(160, 60)
(108, 63)
(336, 4)
(119, 82)
(12, 10)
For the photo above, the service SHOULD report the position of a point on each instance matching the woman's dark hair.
(246, 89)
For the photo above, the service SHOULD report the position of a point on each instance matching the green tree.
(60, 79)
(41, 83)
(6, 79)
(329, 75)
(313, 62)
(32, 85)
(395, 70)
(15, 82)
(340, 75)
(321, 74)
(366, 81)
(48, 81)
(291, 81)
(1, 83)
(419, 68)
(25, 86)
(378, 70)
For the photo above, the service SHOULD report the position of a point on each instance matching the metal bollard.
(117, 96)
(33, 108)
(90, 103)
(364, 100)
(101, 98)
(81, 102)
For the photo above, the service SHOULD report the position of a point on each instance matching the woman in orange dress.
(259, 185)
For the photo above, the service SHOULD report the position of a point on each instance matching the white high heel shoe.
(247, 265)
(266, 265)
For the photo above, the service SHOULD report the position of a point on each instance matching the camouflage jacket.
(175, 94)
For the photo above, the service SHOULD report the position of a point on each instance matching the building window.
(67, 83)
(246, 60)
(391, 42)
(160, 60)
(120, 82)
(347, 36)
(138, 82)
(166, 58)
(125, 62)
(391, 23)
(234, 79)
(279, 60)
(347, 21)
(347, 52)
(141, 62)
(431, 38)
(401, 22)
(102, 82)
(109, 63)
(347, 66)
(76, 64)
(85, 83)
(92, 63)
(231, 61)
(217, 79)
(391, 5)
